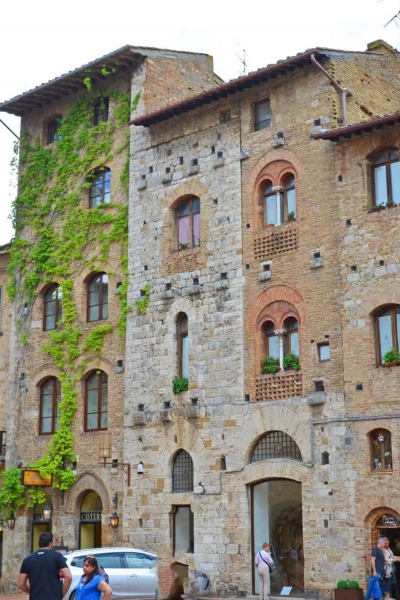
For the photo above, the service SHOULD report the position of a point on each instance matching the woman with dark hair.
(91, 585)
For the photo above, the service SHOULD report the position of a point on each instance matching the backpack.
(104, 574)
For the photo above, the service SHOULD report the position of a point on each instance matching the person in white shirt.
(264, 561)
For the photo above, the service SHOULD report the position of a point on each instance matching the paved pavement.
(13, 596)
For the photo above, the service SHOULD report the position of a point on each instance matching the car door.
(114, 565)
(142, 575)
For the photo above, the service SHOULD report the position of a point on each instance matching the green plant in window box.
(183, 246)
(270, 365)
(391, 358)
(291, 216)
(291, 361)
(390, 204)
(180, 384)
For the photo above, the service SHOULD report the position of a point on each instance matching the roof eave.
(232, 87)
(359, 128)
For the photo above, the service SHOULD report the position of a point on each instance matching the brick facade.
(238, 276)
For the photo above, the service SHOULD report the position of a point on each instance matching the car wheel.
(73, 595)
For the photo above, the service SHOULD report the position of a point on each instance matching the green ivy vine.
(143, 302)
(60, 233)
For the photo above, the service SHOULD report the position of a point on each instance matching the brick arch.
(87, 482)
(275, 155)
(275, 293)
(274, 418)
(381, 148)
(86, 273)
(45, 371)
(186, 189)
(276, 469)
(277, 312)
(94, 363)
(378, 299)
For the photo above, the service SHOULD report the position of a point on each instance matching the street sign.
(33, 478)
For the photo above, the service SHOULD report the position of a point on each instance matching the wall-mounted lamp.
(381, 438)
(114, 520)
(105, 450)
(11, 521)
(140, 468)
(47, 512)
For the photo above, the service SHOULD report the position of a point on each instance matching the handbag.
(270, 567)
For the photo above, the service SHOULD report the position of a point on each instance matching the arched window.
(52, 130)
(381, 450)
(271, 206)
(386, 178)
(182, 472)
(98, 297)
(100, 187)
(271, 340)
(188, 223)
(50, 395)
(276, 444)
(291, 340)
(387, 331)
(100, 114)
(52, 307)
(96, 401)
(183, 345)
(289, 197)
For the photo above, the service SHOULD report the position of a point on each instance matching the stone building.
(239, 223)
(68, 279)
(242, 407)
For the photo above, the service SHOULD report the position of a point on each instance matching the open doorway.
(90, 521)
(39, 525)
(277, 519)
(388, 525)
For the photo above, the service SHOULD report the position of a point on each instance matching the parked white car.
(132, 572)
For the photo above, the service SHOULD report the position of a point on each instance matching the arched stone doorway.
(385, 522)
(276, 506)
(90, 521)
(39, 525)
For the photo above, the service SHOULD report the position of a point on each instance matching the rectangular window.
(183, 529)
(262, 115)
(380, 185)
(324, 352)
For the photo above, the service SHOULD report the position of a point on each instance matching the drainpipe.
(344, 92)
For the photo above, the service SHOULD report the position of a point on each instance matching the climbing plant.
(57, 234)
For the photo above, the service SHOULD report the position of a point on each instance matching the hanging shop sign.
(33, 478)
(388, 520)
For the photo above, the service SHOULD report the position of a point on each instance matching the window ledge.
(167, 178)
(315, 263)
(382, 472)
(193, 170)
(194, 289)
(167, 295)
(264, 275)
(222, 285)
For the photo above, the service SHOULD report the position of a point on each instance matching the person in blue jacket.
(92, 585)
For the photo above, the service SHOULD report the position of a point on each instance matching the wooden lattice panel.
(276, 241)
(278, 386)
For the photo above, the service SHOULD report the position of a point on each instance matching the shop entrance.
(277, 519)
(388, 525)
(90, 521)
(39, 525)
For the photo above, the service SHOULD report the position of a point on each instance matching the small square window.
(324, 352)
(262, 115)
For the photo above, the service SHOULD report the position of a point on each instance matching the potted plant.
(377, 208)
(390, 204)
(391, 358)
(291, 362)
(180, 384)
(291, 216)
(348, 590)
(270, 365)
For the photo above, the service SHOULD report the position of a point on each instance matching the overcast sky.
(38, 41)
